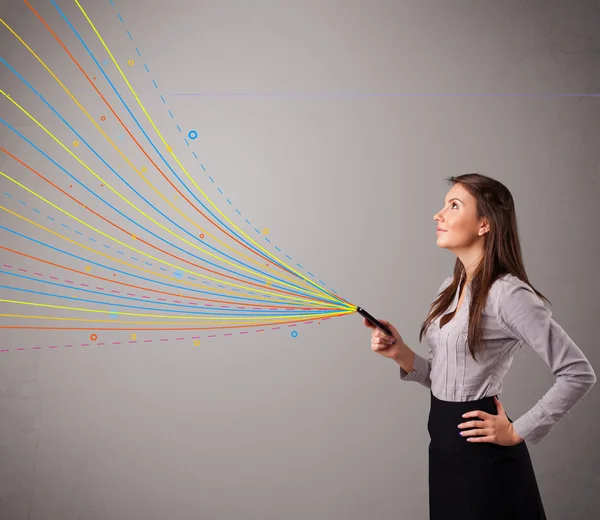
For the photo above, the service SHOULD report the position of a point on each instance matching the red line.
(144, 152)
(148, 243)
(164, 328)
(60, 266)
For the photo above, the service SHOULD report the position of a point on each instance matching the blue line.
(249, 313)
(139, 225)
(134, 190)
(91, 262)
(160, 155)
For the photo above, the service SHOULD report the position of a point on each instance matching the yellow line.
(126, 322)
(182, 167)
(158, 192)
(147, 270)
(234, 318)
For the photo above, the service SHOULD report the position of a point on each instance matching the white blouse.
(513, 316)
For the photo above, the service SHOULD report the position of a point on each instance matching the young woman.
(479, 464)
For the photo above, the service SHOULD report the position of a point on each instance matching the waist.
(445, 416)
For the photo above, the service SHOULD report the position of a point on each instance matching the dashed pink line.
(239, 307)
(151, 340)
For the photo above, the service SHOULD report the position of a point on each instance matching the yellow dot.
(133, 336)
(144, 169)
(131, 62)
(197, 343)
(88, 268)
(266, 231)
(75, 143)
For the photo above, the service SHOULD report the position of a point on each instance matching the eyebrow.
(455, 198)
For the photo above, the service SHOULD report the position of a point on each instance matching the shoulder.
(511, 296)
(508, 286)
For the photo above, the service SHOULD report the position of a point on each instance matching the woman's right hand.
(383, 344)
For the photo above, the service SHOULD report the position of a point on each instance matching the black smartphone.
(374, 321)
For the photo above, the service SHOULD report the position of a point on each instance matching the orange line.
(60, 266)
(167, 328)
(148, 243)
(140, 147)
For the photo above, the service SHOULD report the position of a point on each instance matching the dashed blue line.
(194, 153)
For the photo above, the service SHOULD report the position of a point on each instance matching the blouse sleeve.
(422, 366)
(524, 317)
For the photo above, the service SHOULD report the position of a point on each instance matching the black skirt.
(477, 480)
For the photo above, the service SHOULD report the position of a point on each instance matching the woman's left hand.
(491, 428)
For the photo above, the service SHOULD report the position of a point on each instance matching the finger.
(368, 323)
(475, 432)
(487, 438)
(380, 345)
(477, 413)
(472, 424)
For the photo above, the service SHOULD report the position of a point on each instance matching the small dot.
(192, 134)
(93, 337)
(88, 268)
(294, 333)
(133, 336)
(75, 143)
(103, 118)
(201, 235)
(144, 169)
(197, 343)
(131, 62)
(266, 231)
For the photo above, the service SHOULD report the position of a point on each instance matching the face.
(460, 230)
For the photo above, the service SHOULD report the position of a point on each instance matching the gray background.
(347, 180)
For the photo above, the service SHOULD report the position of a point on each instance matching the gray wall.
(377, 103)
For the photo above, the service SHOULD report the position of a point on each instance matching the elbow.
(591, 375)
(588, 379)
(593, 379)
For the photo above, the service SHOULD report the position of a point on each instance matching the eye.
(454, 204)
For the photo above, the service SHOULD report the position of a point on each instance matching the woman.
(479, 464)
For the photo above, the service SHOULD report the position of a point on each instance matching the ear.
(484, 228)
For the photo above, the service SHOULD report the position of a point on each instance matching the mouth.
(440, 230)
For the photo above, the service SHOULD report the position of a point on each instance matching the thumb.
(498, 404)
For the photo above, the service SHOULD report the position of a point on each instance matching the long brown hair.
(502, 255)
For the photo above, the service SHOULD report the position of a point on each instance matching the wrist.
(402, 353)
(515, 436)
